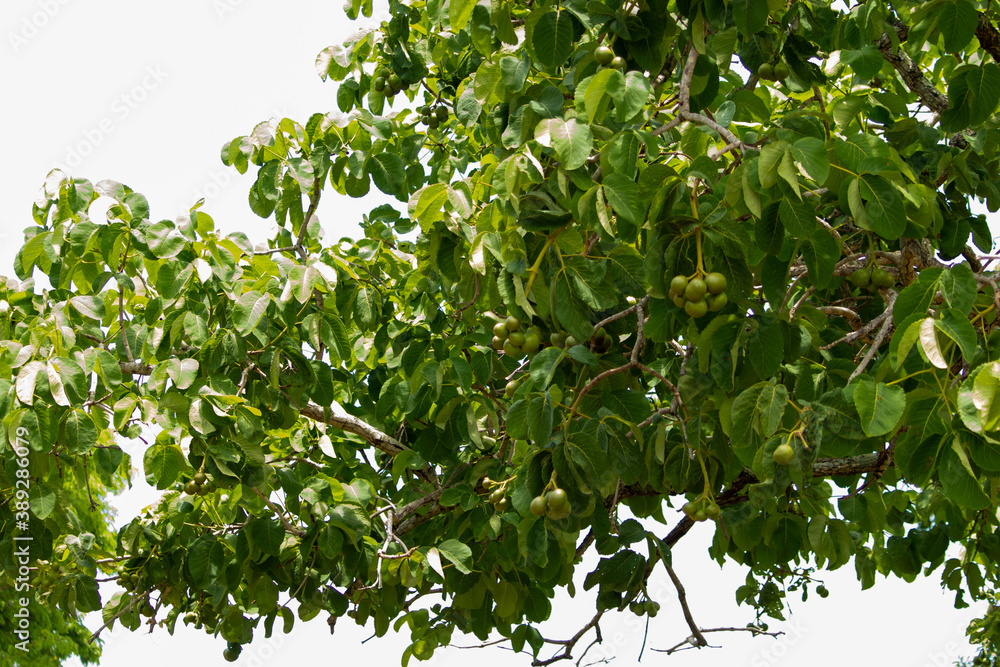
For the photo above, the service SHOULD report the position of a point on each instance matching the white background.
(147, 93)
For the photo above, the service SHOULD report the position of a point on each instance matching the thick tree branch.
(988, 36)
(910, 72)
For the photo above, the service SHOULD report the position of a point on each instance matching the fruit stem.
(701, 266)
(704, 473)
(533, 271)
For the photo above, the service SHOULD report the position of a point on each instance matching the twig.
(682, 597)
(277, 510)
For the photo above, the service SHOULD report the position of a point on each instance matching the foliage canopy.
(730, 265)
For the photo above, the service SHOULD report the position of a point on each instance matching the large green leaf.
(572, 141)
(552, 38)
(879, 405)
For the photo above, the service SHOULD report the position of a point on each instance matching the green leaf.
(552, 38)
(162, 465)
(973, 92)
(884, 210)
(572, 141)
(42, 500)
(350, 518)
(205, 560)
(811, 154)
(622, 194)
(388, 173)
(750, 16)
(458, 554)
(879, 405)
(459, 13)
(957, 22)
(798, 217)
(955, 325)
(250, 308)
(426, 204)
(163, 241)
(957, 480)
(81, 433)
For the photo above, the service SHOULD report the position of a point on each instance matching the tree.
(700, 256)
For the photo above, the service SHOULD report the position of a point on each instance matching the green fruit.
(689, 509)
(147, 610)
(395, 81)
(783, 455)
(603, 55)
(697, 308)
(781, 71)
(637, 608)
(191, 488)
(379, 84)
(531, 343)
(511, 349)
(881, 278)
(510, 389)
(679, 300)
(516, 338)
(513, 324)
(557, 499)
(231, 654)
(766, 71)
(556, 514)
(500, 330)
(557, 339)
(497, 343)
(539, 506)
(717, 302)
(570, 342)
(716, 283)
(501, 505)
(442, 113)
(700, 515)
(618, 62)
(713, 511)
(695, 289)
(652, 608)
(860, 278)
(425, 110)
(433, 122)
(822, 591)
(678, 284)
(200, 478)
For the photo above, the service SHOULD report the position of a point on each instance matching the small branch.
(752, 629)
(277, 510)
(682, 597)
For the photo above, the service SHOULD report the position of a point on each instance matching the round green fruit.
(497, 343)
(231, 654)
(395, 81)
(860, 278)
(511, 349)
(539, 506)
(501, 505)
(191, 488)
(603, 55)
(500, 330)
(433, 122)
(516, 338)
(783, 455)
(557, 339)
(679, 300)
(441, 113)
(716, 283)
(379, 84)
(689, 509)
(695, 289)
(700, 515)
(882, 279)
(618, 62)
(557, 499)
(697, 308)
(652, 608)
(717, 302)
(496, 496)
(713, 511)
(531, 343)
(570, 342)
(513, 324)
(200, 478)
(766, 71)
(781, 71)
(678, 284)
(510, 389)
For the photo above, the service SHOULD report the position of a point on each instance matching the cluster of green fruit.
(129, 580)
(554, 504)
(498, 496)
(602, 341)
(605, 57)
(648, 607)
(232, 652)
(698, 296)
(433, 116)
(388, 82)
(514, 341)
(872, 278)
(783, 454)
(771, 72)
(701, 509)
(199, 485)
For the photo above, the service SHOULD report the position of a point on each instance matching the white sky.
(147, 93)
